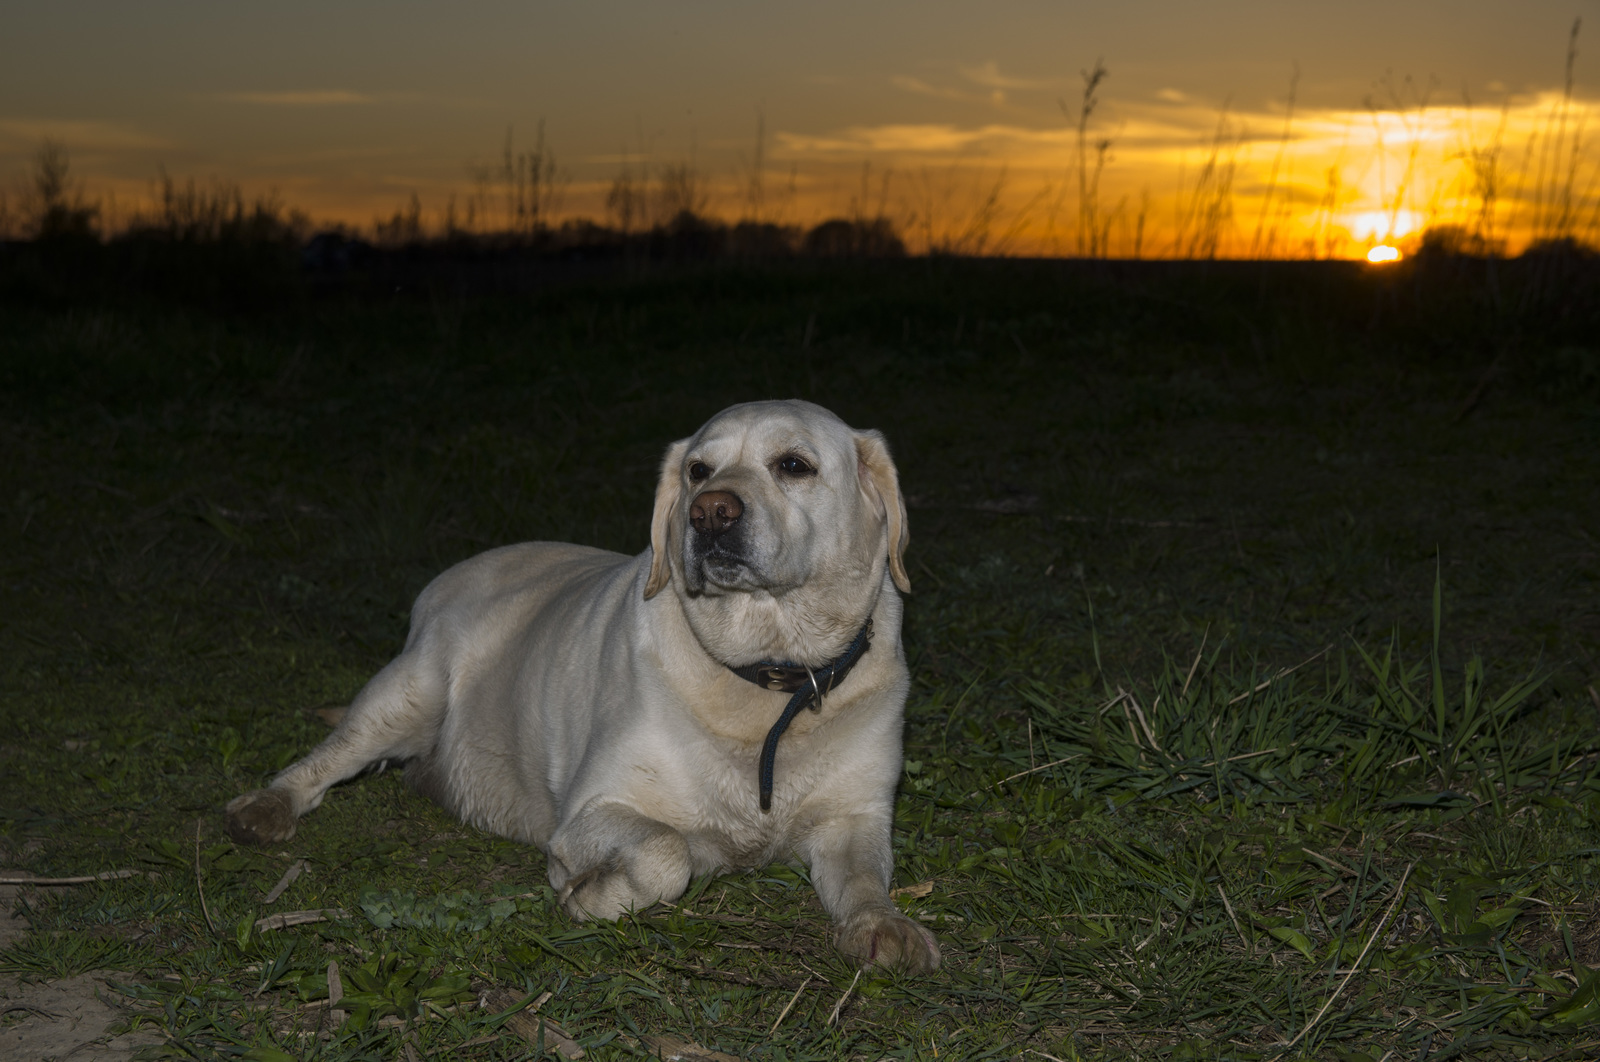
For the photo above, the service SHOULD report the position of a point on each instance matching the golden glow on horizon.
(1178, 179)
(1181, 179)
(1383, 253)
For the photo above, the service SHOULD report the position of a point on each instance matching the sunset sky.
(921, 110)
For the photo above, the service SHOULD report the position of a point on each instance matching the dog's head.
(773, 515)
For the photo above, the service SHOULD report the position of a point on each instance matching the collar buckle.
(806, 687)
(781, 678)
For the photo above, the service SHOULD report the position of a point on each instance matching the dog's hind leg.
(395, 717)
(609, 859)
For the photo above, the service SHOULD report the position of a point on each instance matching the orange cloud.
(988, 75)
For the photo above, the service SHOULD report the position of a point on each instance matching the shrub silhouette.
(59, 209)
(854, 238)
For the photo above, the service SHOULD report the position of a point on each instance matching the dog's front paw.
(264, 816)
(888, 938)
(623, 861)
(614, 889)
(595, 893)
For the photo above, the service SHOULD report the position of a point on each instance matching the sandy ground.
(45, 1020)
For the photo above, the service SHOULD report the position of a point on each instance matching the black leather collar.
(809, 686)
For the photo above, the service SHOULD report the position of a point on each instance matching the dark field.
(1141, 494)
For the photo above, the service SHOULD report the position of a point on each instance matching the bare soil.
(42, 1021)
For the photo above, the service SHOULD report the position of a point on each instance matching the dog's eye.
(699, 471)
(792, 465)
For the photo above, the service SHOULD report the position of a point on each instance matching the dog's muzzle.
(718, 543)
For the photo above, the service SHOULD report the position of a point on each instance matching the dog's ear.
(881, 482)
(664, 531)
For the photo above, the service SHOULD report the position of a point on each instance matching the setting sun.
(1383, 253)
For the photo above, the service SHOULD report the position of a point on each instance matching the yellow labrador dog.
(729, 697)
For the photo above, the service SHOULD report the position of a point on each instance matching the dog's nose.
(715, 511)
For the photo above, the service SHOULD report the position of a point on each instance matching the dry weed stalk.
(530, 185)
(1554, 214)
(755, 196)
(1266, 239)
(1090, 240)
(1206, 216)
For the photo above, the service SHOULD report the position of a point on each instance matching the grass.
(1254, 645)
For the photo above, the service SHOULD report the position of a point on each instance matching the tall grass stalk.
(530, 184)
(1261, 245)
(1207, 209)
(1089, 191)
(956, 211)
(755, 199)
(1410, 105)
(1558, 161)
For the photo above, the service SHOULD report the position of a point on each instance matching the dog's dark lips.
(726, 570)
(727, 574)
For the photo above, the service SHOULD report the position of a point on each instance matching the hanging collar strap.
(809, 686)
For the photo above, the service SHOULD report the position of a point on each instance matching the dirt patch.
(1582, 922)
(51, 1020)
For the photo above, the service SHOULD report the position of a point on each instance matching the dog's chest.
(726, 828)
(710, 793)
